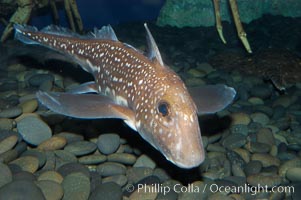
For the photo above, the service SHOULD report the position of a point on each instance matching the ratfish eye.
(163, 108)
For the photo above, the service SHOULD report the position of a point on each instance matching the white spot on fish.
(121, 101)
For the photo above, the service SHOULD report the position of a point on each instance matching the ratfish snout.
(185, 149)
(191, 155)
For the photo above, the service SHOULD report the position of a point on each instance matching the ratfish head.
(170, 123)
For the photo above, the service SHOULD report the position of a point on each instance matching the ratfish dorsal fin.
(153, 51)
(105, 33)
(57, 30)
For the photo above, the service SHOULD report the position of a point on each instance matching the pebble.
(37, 79)
(46, 86)
(234, 141)
(21, 189)
(264, 109)
(51, 176)
(29, 106)
(51, 190)
(111, 169)
(149, 192)
(123, 158)
(238, 180)
(71, 137)
(23, 175)
(283, 123)
(193, 72)
(215, 147)
(145, 161)
(138, 173)
(256, 101)
(237, 170)
(234, 158)
(24, 115)
(108, 143)
(81, 148)
(261, 118)
(26, 163)
(295, 163)
(51, 161)
(34, 130)
(71, 168)
(265, 180)
(8, 143)
(161, 174)
(279, 111)
(257, 147)
(205, 67)
(261, 91)
(284, 101)
(294, 174)
(64, 157)
(119, 179)
(16, 68)
(265, 136)
(76, 187)
(240, 118)
(244, 154)
(6, 175)
(192, 82)
(92, 159)
(11, 112)
(253, 167)
(267, 160)
(107, 191)
(40, 155)
(239, 129)
(7, 124)
(53, 143)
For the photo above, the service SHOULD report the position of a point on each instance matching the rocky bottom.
(254, 142)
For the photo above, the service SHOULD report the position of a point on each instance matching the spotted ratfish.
(134, 86)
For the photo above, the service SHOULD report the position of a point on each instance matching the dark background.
(96, 13)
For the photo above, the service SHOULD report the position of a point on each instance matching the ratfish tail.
(21, 29)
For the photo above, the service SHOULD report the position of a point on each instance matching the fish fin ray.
(85, 106)
(105, 33)
(88, 87)
(210, 99)
(61, 31)
(153, 50)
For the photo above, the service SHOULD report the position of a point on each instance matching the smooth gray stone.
(34, 130)
(70, 168)
(81, 148)
(38, 79)
(108, 143)
(5, 174)
(107, 191)
(11, 112)
(76, 186)
(21, 189)
(111, 169)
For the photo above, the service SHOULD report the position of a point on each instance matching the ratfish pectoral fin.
(84, 88)
(212, 98)
(87, 106)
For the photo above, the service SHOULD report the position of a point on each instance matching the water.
(259, 132)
